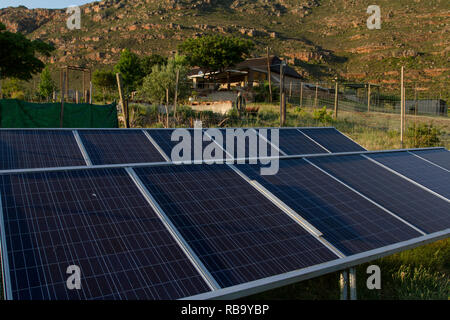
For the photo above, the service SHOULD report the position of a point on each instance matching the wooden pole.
(290, 89)
(67, 83)
(269, 75)
(401, 107)
(368, 98)
(61, 115)
(167, 107)
(77, 96)
(336, 102)
(315, 97)
(122, 100)
(176, 94)
(282, 98)
(301, 94)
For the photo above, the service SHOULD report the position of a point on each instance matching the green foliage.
(129, 67)
(423, 135)
(262, 92)
(18, 55)
(46, 85)
(105, 80)
(323, 116)
(420, 283)
(163, 77)
(215, 52)
(148, 62)
(13, 88)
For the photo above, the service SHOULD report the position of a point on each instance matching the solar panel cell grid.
(422, 172)
(95, 219)
(238, 234)
(347, 220)
(293, 142)
(119, 146)
(332, 140)
(21, 149)
(412, 203)
(440, 157)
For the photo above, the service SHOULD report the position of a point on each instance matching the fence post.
(123, 101)
(176, 94)
(402, 96)
(282, 96)
(368, 98)
(315, 97)
(269, 76)
(336, 102)
(301, 94)
(61, 115)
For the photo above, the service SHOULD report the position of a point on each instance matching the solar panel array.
(162, 231)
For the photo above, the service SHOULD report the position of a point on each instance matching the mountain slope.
(323, 39)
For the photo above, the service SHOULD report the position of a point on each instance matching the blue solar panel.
(440, 157)
(95, 219)
(412, 203)
(21, 149)
(293, 142)
(421, 171)
(119, 146)
(237, 233)
(347, 220)
(332, 140)
(162, 137)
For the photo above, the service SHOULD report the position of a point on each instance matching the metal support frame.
(352, 283)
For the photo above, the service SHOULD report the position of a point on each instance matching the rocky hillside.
(322, 38)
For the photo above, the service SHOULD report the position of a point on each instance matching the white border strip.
(314, 141)
(164, 155)
(406, 178)
(6, 272)
(192, 256)
(85, 154)
(253, 287)
(367, 198)
(430, 162)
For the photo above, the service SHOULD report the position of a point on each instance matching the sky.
(53, 4)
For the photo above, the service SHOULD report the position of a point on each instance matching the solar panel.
(421, 171)
(20, 149)
(237, 233)
(347, 220)
(119, 146)
(293, 142)
(162, 137)
(412, 203)
(440, 157)
(332, 140)
(98, 220)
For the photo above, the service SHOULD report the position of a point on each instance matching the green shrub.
(323, 116)
(423, 135)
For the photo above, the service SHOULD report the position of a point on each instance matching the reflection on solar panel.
(162, 137)
(417, 206)
(293, 142)
(421, 171)
(347, 220)
(332, 140)
(119, 146)
(38, 149)
(237, 233)
(95, 219)
(440, 157)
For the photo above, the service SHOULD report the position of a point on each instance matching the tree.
(160, 84)
(215, 52)
(46, 85)
(18, 55)
(129, 66)
(104, 79)
(148, 62)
